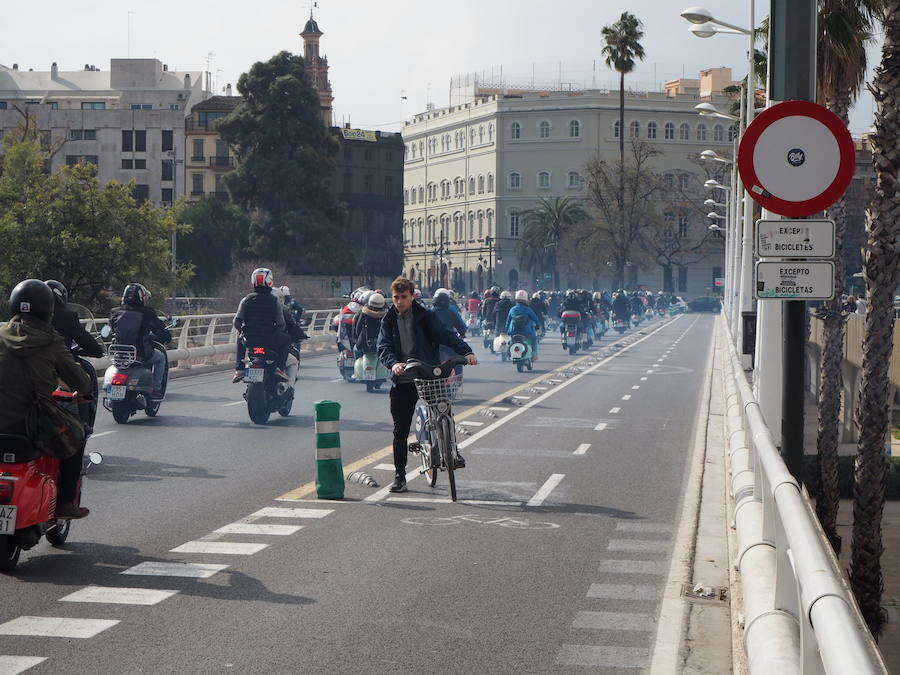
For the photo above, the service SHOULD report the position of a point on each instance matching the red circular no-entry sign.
(796, 158)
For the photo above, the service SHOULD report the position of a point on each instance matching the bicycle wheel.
(448, 447)
(429, 466)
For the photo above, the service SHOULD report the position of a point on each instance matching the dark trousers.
(403, 407)
(69, 471)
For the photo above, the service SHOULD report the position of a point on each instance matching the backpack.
(520, 322)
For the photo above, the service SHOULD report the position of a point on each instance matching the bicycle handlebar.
(427, 371)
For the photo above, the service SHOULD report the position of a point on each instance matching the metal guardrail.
(211, 336)
(799, 614)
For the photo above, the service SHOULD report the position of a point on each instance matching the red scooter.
(28, 492)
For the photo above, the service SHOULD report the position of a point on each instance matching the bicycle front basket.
(443, 390)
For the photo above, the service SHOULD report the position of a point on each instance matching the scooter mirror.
(96, 458)
(105, 332)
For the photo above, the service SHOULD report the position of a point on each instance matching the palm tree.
(880, 270)
(622, 48)
(545, 226)
(844, 26)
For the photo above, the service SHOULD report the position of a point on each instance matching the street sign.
(794, 280)
(796, 158)
(795, 238)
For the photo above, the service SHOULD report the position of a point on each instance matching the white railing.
(799, 614)
(208, 338)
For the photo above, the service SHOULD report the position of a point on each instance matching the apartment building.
(207, 158)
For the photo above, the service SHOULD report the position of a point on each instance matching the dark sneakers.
(399, 485)
(459, 461)
(70, 512)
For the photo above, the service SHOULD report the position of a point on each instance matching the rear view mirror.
(105, 332)
(96, 458)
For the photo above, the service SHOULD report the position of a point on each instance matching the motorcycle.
(620, 324)
(369, 370)
(588, 341)
(473, 325)
(571, 333)
(521, 352)
(28, 491)
(266, 392)
(487, 332)
(636, 318)
(128, 382)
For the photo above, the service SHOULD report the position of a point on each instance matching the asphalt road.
(553, 562)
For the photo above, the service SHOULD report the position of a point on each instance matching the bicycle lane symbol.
(510, 523)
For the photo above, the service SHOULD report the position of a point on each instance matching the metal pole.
(746, 296)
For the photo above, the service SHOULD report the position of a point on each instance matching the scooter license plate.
(117, 392)
(254, 374)
(370, 374)
(7, 519)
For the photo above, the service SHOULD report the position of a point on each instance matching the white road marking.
(540, 388)
(175, 569)
(545, 489)
(102, 433)
(447, 500)
(643, 528)
(383, 467)
(13, 665)
(119, 596)
(638, 545)
(626, 397)
(635, 386)
(228, 405)
(220, 547)
(386, 490)
(614, 411)
(277, 512)
(498, 409)
(623, 592)
(601, 426)
(337, 379)
(52, 626)
(613, 621)
(644, 379)
(470, 423)
(256, 528)
(650, 372)
(632, 567)
(522, 398)
(602, 657)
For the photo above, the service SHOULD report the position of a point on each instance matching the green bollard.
(329, 470)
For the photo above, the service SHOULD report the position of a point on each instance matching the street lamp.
(709, 110)
(700, 16)
(713, 156)
(712, 184)
(713, 202)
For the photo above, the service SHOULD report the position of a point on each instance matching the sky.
(381, 52)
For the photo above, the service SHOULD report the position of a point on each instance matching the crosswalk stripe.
(640, 545)
(279, 512)
(174, 569)
(613, 621)
(13, 665)
(623, 592)
(643, 528)
(52, 626)
(604, 657)
(632, 567)
(258, 528)
(118, 596)
(220, 547)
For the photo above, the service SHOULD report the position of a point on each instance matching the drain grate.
(701, 592)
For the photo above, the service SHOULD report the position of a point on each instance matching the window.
(93, 105)
(419, 231)
(544, 129)
(141, 193)
(134, 164)
(174, 106)
(2, 105)
(718, 133)
(490, 132)
(135, 141)
(168, 140)
(481, 224)
(481, 134)
(388, 186)
(684, 181)
(543, 179)
(82, 134)
(634, 129)
(421, 194)
(651, 130)
(574, 181)
(669, 131)
(168, 169)
(513, 223)
(574, 129)
(515, 131)
(471, 137)
(683, 222)
(72, 160)
(669, 180)
(198, 154)
(481, 185)
(471, 226)
(141, 106)
(616, 129)
(684, 131)
(166, 196)
(471, 185)
(701, 132)
(490, 182)
(406, 196)
(515, 181)
(367, 184)
(682, 279)
(668, 223)
(196, 183)
(732, 133)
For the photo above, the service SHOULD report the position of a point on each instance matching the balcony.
(192, 125)
(196, 193)
(221, 162)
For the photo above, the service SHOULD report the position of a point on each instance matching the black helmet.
(32, 297)
(60, 293)
(136, 294)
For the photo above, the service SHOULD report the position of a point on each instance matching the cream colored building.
(472, 169)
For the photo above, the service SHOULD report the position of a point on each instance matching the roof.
(218, 103)
(93, 81)
(311, 27)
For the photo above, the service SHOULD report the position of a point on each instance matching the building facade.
(207, 158)
(471, 170)
(128, 121)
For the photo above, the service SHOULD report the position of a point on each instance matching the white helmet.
(441, 291)
(364, 297)
(285, 290)
(376, 301)
(521, 296)
(506, 295)
(262, 276)
(278, 294)
(535, 295)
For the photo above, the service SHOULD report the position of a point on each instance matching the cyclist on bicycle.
(409, 331)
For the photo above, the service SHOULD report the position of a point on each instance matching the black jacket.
(621, 307)
(501, 312)
(428, 331)
(66, 323)
(138, 326)
(260, 316)
(366, 328)
(488, 307)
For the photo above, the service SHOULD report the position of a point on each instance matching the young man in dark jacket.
(409, 331)
(67, 323)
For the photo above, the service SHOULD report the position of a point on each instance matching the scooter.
(369, 370)
(345, 363)
(28, 492)
(571, 332)
(501, 347)
(266, 392)
(128, 382)
(620, 324)
(487, 331)
(473, 325)
(521, 352)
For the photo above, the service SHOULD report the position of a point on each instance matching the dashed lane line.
(614, 411)
(259, 528)
(626, 397)
(219, 547)
(13, 665)
(119, 596)
(635, 386)
(158, 568)
(582, 449)
(53, 626)
(601, 426)
(544, 491)
(102, 433)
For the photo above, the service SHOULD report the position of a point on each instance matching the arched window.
(515, 180)
(471, 136)
(481, 134)
(406, 196)
(480, 224)
(513, 278)
(471, 185)
(732, 133)
(718, 133)
(543, 179)
(635, 129)
(669, 180)
(616, 129)
(669, 130)
(490, 182)
(515, 131)
(651, 130)
(490, 223)
(544, 129)
(701, 132)
(574, 181)
(481, 185)
(421, 149)
(668, 223)
(684, 181)
(490, 132)
(421, 194)
(684, 131)
(514, 223)
(683, 223)
(574, 129)
(471, 225)
(421, 241)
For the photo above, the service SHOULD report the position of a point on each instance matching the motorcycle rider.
(637, 305)
(136, 324)
(260, 317)
(473, 304)
(296, 309)
(491, 298)
(539, 306)
(28, 343)
(409, 331)
(66, 323)
(621, 307)
(501, 310)
(442, 306)
(367, 325)
(522, 320)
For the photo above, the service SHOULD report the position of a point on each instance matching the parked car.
(705, 304)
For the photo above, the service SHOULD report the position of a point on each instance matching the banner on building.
(359, 135)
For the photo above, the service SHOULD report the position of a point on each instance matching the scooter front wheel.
(121, 411)
(58, 534)
(9, 553)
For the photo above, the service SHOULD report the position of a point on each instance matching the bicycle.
(435, 442)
